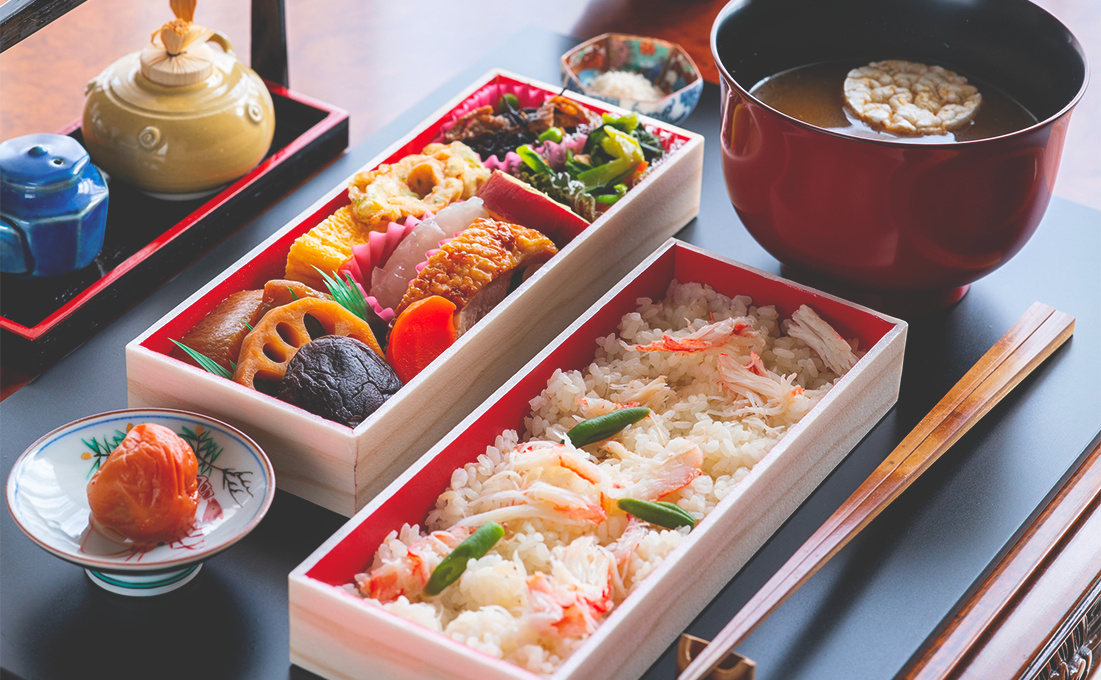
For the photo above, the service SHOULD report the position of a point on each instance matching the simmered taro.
(338, 378)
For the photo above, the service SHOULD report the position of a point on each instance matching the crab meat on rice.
(836, 352)
(738, 331)
(402, 569)
(721, 393)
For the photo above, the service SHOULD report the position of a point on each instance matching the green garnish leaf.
(347, 294)
(661, 513)
(452, 567)
(248, 325)
(602, 427)
(205, 362)
(350, 296)
(294, 296)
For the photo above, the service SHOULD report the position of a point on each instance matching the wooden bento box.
(341, 468)
(337, 635)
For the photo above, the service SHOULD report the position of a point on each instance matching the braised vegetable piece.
(220, 333)
(279, 292)
(602, 427)
(338, 378)
(420, 334)
(269, 347)
(206, 363)
(661, 513)
(452, 567)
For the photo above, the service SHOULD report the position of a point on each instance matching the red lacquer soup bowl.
(903, 227)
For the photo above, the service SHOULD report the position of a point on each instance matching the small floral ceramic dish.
(663, 63)
(47, 498)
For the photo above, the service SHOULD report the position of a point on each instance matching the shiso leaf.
(206, 362)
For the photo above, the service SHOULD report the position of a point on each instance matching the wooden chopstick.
(1025, 346)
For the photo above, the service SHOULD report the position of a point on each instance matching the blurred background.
(376, 59)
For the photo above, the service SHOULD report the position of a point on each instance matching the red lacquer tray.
(149, 240)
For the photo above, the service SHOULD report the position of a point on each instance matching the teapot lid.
(181, 56)
(41, 160)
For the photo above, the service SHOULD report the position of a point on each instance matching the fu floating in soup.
(893, 100)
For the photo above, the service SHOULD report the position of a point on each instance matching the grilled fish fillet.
(481, 254)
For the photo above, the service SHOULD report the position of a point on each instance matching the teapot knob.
(149, 138)
(89, 87)
(255, 112)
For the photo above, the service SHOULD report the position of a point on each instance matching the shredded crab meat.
(766, 393)
(570, 555)
(712, 336)
(835, 351)
(402, 570)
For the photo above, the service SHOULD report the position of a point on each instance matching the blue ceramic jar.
(53, 206)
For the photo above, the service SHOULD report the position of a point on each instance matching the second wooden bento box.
(342, 468)
(338, 635)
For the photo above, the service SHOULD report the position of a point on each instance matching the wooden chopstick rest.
(1025, 346)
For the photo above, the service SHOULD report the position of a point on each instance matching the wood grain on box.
(1038, 614)
(340, 468)
(336, 635)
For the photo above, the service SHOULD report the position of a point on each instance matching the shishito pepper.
(420, 334)
(601, 427)
(452, 567)
(661, 513)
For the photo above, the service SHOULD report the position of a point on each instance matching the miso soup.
(815, 94)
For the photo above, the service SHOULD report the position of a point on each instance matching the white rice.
(625, 85)
(538, 594)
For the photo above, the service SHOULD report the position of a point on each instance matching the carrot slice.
(420, 334)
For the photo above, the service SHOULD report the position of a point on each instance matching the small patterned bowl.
(47, 498)
(663, 63)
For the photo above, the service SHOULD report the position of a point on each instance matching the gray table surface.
(863, 616)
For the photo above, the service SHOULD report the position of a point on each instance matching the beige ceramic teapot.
(179, 119)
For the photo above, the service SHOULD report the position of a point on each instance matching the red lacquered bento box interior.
(270, 264)
(413, 501)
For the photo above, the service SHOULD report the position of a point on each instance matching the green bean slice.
(508, 101)
(452, 567)
(601, 427)
(661, 513)
(553, 134)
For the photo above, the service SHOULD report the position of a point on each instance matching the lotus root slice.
(269, 348)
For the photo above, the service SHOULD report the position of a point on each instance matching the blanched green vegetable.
(627, 123)
(452, 567)
(609, 173)
(602, 427)
(608, 199)
(533, 160)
